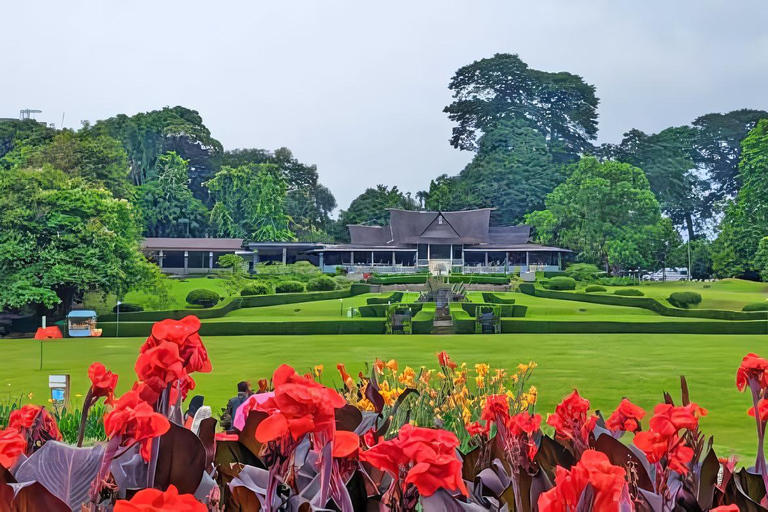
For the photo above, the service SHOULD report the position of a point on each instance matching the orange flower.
(445, 360)
(154, 500)
(392, 365)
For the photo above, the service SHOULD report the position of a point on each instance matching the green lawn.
(731, 294)
(603, 367)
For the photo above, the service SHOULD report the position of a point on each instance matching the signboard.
(59, 386)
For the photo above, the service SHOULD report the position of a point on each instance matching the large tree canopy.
(607, 213)
(370, 208)
(250, 203)
(513, 171)
(560, 106)
(745, 222)
(60, 238)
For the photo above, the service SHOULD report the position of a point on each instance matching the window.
(382, 257)
(405, 258)
(422, 251)
(457, 250)
(439, 252)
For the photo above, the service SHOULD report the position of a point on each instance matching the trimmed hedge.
(380, 310)
(399, 279)
(321, 284)
(234, 328)
(560, 283)
(453, 278)
(645, 303)
(756, 306)
(289, 287)
(127, 307)
(256, 289)
(492, 298)
(507, 310)
(203, 297)
(705, 327)
(239, 302)
(594, 289)
(684, 299)
(395, 297)
(629, 292)
(478, 279)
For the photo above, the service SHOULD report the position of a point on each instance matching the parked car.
(668, 274)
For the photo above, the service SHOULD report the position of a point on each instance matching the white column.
(210, 260)
(186, 261)
(322, 261)
(160, 258)
(486, 258)
(393, 258)
(527, 262)
(285, 255)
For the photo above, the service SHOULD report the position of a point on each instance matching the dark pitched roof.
(370, 235)
(509, 234)
(466, 227)
(193, 244)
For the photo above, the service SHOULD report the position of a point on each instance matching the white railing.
(372, 269)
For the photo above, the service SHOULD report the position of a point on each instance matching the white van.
(668, 274)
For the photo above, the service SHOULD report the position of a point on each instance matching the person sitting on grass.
(243, 392)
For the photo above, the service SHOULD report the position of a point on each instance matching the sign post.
(117, 323)
(59, 386)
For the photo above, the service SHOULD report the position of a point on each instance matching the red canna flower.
(496, 409)
(445, 360)
(263, 385)
(522, 429)
(154, 500)
(182, 333)
(753, 368)
(160, 365)
(663, 442)
(103, 382)
(32, 420)
(427, 457)
(626, 417)
(762, 406)
(726, 508)
(136, 421)
(146, 393)
(300, 406)
(345, 443)
(668, 419)
(343, 372)
(594, 468)
(12, 446)
(185, 385)
(570, 421)
(475, 429)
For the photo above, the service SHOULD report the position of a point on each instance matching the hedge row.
(254, 301)
(234, 328)
(507, 310)
(395, 297)
(399, 279)
(453, 278)
(492, 298)
(380, 310)
(644, 303)
(565, 327)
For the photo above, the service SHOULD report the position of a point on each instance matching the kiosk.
(82, 323)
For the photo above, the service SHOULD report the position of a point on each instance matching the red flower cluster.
(496, 409)
(136, 421)
(428, 455)
(300, 406)
(445, 360)
(31, 418)
(154, 500)
(762, 407)
(160, 365)
(12, 446)
(570, 421)
(103, 382)
(594, 468)
(753, 369)
(518, 431)
(626, 417)
(182, 333)
(662, 441)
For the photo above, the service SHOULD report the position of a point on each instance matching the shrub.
(756, 306)
(594, 289)
(342, 281)
(582, 271)
(203, 297)
(560, 283)
(615, 281)
(629, 292)
(684, 300)
(289, 287)
(321, 284)
(127, 307)
(257, 288)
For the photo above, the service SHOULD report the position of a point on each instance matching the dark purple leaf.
(373, 395)
(130, 470)
(207, 435)
(180, 461)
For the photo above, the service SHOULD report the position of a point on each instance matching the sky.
(358, 87)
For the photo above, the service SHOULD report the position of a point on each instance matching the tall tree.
(513, 171)
(168, 207)
(370, 208)
(561, 106)
(19, 138)
(59, 238)
(746, 218)
(605, 211)
(718, 147)
(250, 203)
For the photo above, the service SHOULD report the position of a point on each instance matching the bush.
(560, 283)
(684, 300)
(756, 306)
(257, 288)
(289, 287)
(127, 307)
(594, 289)
(582, 271)
(203, 297)
(629, 292)
(321, 284)
(615, 281)
(342, 281)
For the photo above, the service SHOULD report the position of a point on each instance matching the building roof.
(437, 227)
(193, 244)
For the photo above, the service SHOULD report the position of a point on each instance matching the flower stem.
(84, 418)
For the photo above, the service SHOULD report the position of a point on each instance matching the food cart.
(82, 323)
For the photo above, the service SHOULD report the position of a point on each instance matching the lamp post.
(341, 307)
(117, 322)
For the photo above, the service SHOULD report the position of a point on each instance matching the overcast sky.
(358, 87)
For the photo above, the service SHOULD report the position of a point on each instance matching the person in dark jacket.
(243, 392)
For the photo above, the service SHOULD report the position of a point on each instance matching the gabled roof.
(370, 235)
(465, 227)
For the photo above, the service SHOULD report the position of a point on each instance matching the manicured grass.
(731, 294)
(316, 310)
(603, 367)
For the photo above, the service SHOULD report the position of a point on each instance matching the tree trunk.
(689, 226)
